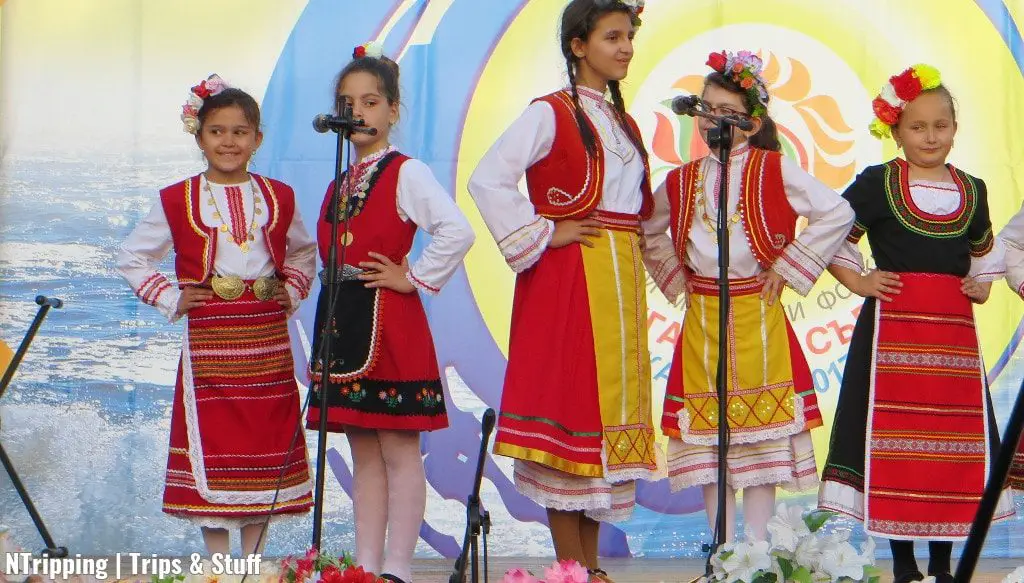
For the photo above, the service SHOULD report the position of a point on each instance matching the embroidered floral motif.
(897, 189)
(428, 397)
(355, 393)
(355, 192)
(391, 397)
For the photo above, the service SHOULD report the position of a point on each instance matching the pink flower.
(215, 84)
(519, 576)
(566, 572)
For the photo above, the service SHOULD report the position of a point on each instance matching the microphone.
(487, 423)
(690, 105)
(324, 123)
(685, 104)
(52, 302)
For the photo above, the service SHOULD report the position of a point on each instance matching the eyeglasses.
(723, 110)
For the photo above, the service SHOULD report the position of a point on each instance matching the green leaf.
(815, 519)
(786, 566)
(801, 575)
(765, 577)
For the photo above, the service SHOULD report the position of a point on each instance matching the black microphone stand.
(720, 138)
(344, 125)
(477, 521)
(993, 491)
(51, 550)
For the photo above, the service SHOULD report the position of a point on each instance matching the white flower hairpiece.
(371, 49)
(211, 86)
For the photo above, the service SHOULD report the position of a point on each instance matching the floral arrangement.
(324, 567)
(798, 551)
(371, 49)
(558, 572)
(744, 68)
(637, 6)
(897, 93)
(197, 95)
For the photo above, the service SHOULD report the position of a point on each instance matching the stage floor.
(661, 570)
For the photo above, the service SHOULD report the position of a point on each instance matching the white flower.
(889, 95)
(867, 549)
(190, 124)
(746, 560)
(1016, 576)
(808, 553)
(215, 84)
(374, 49)
(195, 101)
(716, 560)
(842, 560)
(928, 579)
(787, 527)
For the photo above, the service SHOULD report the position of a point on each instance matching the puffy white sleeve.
(660, 257)
(422, 200)
(299, 262)
(521, 233)
(1012, 239)
(829, 219)
(137, 262)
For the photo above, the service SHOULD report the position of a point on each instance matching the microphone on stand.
(690, 105)
(324, 123)
(52, 302)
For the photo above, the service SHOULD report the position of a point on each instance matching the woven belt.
(233, 287)
(345, 273)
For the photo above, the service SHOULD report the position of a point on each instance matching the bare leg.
(566, 535)
(218, 540)
(251, 536)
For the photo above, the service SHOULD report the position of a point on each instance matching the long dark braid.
(620, 112)
(589, 140)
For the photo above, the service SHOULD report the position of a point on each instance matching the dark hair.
(383, 68)
(227, 98)
(767, 138)
(578, 20)
(943, 91)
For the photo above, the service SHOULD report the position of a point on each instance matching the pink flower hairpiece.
(371, 49)
(635, 6)
(212, 85)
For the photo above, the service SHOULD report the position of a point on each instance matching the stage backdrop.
(91, 93)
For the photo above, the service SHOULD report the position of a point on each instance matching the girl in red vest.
(914, 433)
(771, 406)
(576, 406)
(385, 386)
(243, 261)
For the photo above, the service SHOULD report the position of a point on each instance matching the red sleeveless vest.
(568, 182)
(768, 219)
(195, 243)
(377, 227)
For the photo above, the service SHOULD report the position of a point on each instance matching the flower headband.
(744, 68)
(371, 49)
(897, 93)
(635, 6)
(213, 85)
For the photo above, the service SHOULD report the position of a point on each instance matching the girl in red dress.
(384, 386)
